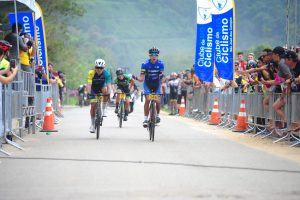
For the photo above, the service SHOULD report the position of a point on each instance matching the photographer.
(13, 38)
(27, 57)
(4, 48)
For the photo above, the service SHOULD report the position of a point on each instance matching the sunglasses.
(100, 68)
(153, 54)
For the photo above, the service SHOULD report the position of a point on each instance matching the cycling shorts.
(152, 87)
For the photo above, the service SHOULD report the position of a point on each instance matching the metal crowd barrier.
(259, 117)
(23, 99)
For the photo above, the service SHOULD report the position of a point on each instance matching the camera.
(12, 63)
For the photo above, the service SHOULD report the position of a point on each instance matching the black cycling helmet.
(154, 50)
(119, 72)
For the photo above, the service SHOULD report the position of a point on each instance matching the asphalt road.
(184, 162)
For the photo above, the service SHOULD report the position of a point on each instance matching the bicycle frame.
(152, 115)
(121, 110)
(99, 113)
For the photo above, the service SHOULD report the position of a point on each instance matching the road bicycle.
(99, 113)
(153, 97)
(121, 109)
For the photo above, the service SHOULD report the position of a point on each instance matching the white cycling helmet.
(99, 63)
(173, 74)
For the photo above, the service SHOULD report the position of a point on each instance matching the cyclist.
(151, 73)
(99, 81)
(124, 83)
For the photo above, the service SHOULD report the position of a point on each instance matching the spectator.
(61, 85)
(27, 57)
(13, 38)
(9, 78)
(283, 72)
(167, 92)
(52, 78)
(251, 56)
(293, 63)
(4, 63)
(291, 60)
(266, 55)
(183, 86)
(242, 62)
(174, 85)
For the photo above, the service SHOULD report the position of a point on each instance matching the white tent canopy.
(7, 6)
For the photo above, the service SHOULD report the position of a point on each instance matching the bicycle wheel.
(152, 121)
(98, 121)
(121, 111)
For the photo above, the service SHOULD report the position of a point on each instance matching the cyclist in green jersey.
(124, 84)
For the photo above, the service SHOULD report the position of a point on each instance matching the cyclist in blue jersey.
(151, 73)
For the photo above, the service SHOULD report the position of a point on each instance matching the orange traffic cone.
(48, 125)
(242, 121)
(182, 107)
(215, 115)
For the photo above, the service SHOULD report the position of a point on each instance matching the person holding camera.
(4, 48)
(13, 39)
(27, 57)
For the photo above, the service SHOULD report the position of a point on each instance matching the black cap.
(290, 54)
(278, 50)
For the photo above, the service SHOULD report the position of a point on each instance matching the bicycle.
(152, 112)
(99, 113)
(121, 109)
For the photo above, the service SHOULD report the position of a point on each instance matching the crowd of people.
(24, 56)
(273, 71)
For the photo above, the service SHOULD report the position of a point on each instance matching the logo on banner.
(205, 13)
(219, 4)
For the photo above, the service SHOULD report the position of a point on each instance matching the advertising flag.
(215, 41)
(204, 57)
(41, 37)
(26, 19)
(223, 23)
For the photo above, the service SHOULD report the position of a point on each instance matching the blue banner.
(204, 57)
(215, 39)
(41, 37)
(26, 19)
(223, 21)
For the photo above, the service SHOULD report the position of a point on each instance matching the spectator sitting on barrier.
(13, 39)
(14, 69)
(283, 72)
(293, 63)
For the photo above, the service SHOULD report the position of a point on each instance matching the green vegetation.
(121, 32)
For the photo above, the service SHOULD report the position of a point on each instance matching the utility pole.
(287, 24)
(296, 25)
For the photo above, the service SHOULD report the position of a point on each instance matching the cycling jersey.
(174, 85)
(98, 81)
(152, 73)
(123, 84)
